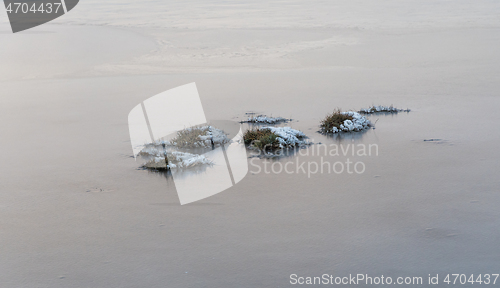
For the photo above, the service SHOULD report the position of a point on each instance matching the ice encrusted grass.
(382, 109)
(261, 119)
(157, 154)
(199, 137)
(274, 138)
(156, 158)
(177, 160)
(348, 121)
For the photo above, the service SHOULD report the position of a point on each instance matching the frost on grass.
(261, 119)
(156, 158)
(199, 137)
(348, 121)
(274, 138)
(157, 154)
(382, 109)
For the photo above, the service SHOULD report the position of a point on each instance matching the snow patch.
(267, 120)
(288, 137)
(382, 109)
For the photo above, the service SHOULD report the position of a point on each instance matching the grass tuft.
(273, 138)
(200, 137)
(187, 137)
(261, 138)
(334, 120)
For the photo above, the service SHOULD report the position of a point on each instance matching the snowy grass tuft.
(199, 137)
(261, 119)
(382, 109)
(157, 154)
(274, 138)
(348, 121)
(177, 160)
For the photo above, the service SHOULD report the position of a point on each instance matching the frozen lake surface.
(76, 212)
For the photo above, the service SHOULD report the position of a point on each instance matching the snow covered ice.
(382, 109)
(267, 120)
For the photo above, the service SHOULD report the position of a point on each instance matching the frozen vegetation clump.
(156, 158)
(274, 138)
(382, 109)
(177, 160)
(199, 137)
(348, 121)
(261, 119)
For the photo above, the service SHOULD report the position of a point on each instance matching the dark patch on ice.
(98, 190)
